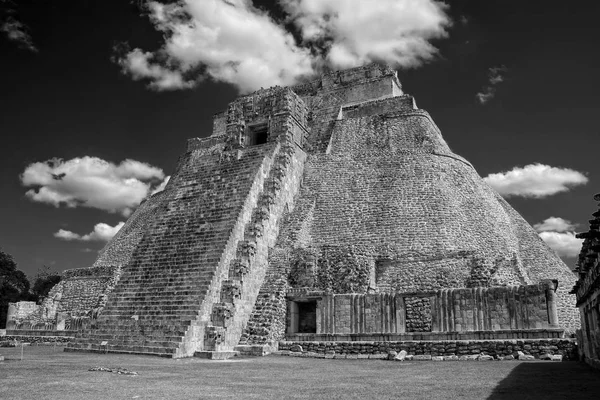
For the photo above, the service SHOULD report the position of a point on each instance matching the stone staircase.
(165, 297)
(247, 271)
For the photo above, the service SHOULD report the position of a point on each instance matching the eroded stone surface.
(341, 185)
(587, 290)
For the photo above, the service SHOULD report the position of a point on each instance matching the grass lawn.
(48, 374)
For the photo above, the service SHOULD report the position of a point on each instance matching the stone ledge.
(39, 333)
(134, 353)
(422, 357)
(529, 334)
(38, 340)
(255, 350)
(453, 350)
(216, 355)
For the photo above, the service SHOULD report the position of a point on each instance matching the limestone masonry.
(587, 290)
(329, 211)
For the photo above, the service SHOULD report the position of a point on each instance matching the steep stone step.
(159, 299)
(181, 254)
(147, 350)
(239, 293)
(163, 308)
(153, 301)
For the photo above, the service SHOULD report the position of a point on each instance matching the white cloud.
(91, 182)
(162, 186)
(564, 243)
(559, 234)
(495, 77)
(488, 93)
(102, 233)
(232, 41)
(535, 180)
(15, 30)
(356, 32)
(139, 65)
(554, 224)
(66, 235)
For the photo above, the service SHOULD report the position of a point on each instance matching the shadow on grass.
(549, 380)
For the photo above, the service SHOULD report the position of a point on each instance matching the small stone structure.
(587, 290)
(341, 186)
(70, 305)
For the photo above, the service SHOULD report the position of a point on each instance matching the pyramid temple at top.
(331, 210)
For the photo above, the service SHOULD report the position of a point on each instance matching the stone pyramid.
(339, 185)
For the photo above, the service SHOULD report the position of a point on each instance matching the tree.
(14, 285)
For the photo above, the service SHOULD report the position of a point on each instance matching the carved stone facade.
(587, 290)
(510, 312)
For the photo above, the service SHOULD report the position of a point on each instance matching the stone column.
(61, 319)
(10, 316)
(293, 317)
(435, 313)
(400, 314)
(551, 301)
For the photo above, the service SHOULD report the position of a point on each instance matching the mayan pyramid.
(340, 185)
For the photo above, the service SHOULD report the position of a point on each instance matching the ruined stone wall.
(418, 314)
(587, 291)
(280, 109)
(378, 107)
(267, 322)
(20, 311)
(84, 289)
(324, 98)
(512, 308)
(79, 293)
(540, 262)
(453, 349)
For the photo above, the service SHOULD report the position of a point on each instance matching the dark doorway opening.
(258, 134)
(307, 317)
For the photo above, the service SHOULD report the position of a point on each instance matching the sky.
(98, 99)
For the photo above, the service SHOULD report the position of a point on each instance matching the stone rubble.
(120, 371)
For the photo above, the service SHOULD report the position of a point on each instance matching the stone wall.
(496, 309)
(326, 97)
(79, 295)
(587, 290)
(459, 348)
(84, 289)
(418, 314)
(34, 339)
(20, 312)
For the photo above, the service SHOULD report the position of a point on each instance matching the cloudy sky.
(99, 97)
